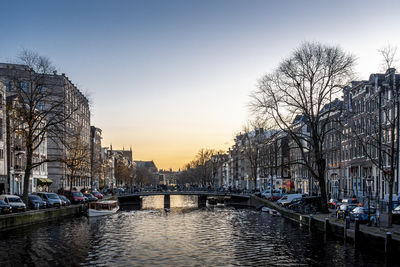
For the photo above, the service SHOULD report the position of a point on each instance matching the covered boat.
(100, 208)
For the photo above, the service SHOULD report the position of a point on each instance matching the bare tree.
(77, 158)
(39, 110)
(200, 169)
(303, 85)
(389, 56)
(204, 164)
(123, 172)
(255, 136)
(143, 176)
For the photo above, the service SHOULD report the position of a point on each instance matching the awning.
(44, 181)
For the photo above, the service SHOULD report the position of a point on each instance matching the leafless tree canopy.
(256, 135)
(38, 110)
(200, 170)
(305, 84)
(77, 158)
(388, 56)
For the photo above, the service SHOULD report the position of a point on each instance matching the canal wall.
(366, 236)
(37, 216)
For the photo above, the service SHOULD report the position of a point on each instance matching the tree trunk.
(27, 174)
(390, 214)
(322, 185)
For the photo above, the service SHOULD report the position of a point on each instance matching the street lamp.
(369, 185)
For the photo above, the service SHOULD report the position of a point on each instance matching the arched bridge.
(135, 199)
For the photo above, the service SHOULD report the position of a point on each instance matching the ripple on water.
(219, 237)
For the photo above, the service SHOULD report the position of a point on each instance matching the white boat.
(265, 209)
(274, 212)
(101, 208)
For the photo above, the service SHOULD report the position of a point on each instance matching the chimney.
(55, 72)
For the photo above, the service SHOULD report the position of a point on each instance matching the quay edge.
(15, 220)
(375, 240)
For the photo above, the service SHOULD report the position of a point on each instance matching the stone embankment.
(379, 238)
(14, 220)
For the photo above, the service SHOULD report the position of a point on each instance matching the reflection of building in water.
(183, 201)
(153, 202)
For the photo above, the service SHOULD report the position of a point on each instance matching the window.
(24, 86)
(1, 129)
(8, 86)
(1, 154)
(41, 105)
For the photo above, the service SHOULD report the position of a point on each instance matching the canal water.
(184, 236)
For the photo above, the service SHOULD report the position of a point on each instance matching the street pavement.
(379, 230)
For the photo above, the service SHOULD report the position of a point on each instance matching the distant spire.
(123, 148)
(111, 147)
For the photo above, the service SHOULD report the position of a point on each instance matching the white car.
(14, 201)
(287, 199)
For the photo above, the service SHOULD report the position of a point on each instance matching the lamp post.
(369, 185)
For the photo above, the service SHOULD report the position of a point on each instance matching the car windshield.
(397, 208)
(357, 210)
(2, 202)
(34, 198)
(62, 197)
(14, 199)
(77, 194)
(52, 196)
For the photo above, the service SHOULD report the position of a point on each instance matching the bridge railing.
(208, 192)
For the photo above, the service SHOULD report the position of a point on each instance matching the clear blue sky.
(170, 77)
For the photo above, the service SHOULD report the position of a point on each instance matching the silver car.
(15, 202)
(52, 199)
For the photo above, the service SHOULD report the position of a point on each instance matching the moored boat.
(101, 208)
(274, 212)
(265, 209)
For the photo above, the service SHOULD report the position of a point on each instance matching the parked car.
(15, 202)
(90, 197)
(4, 207)
(36, 202)
(287, 199)
(107, 191)
(361, 213)
(333, 202)
(65, 201)
(309, 204)
(274, 195)
(97, 194)
(396, 210)
(343, 210)
(52, 199)
(75, 197)
(350, 201)
(396, 215)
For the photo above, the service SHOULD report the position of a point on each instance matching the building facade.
(96, 165)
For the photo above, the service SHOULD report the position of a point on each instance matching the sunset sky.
(171, 77)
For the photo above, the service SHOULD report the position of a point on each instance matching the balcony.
(19, 150)
(18, 168)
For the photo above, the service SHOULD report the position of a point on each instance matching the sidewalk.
(381, 230)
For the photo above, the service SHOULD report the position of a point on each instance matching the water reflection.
(181, 237)
(153, 202)
(183, 201)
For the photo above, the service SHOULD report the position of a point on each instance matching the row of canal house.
(357, 130)
(53, 175)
